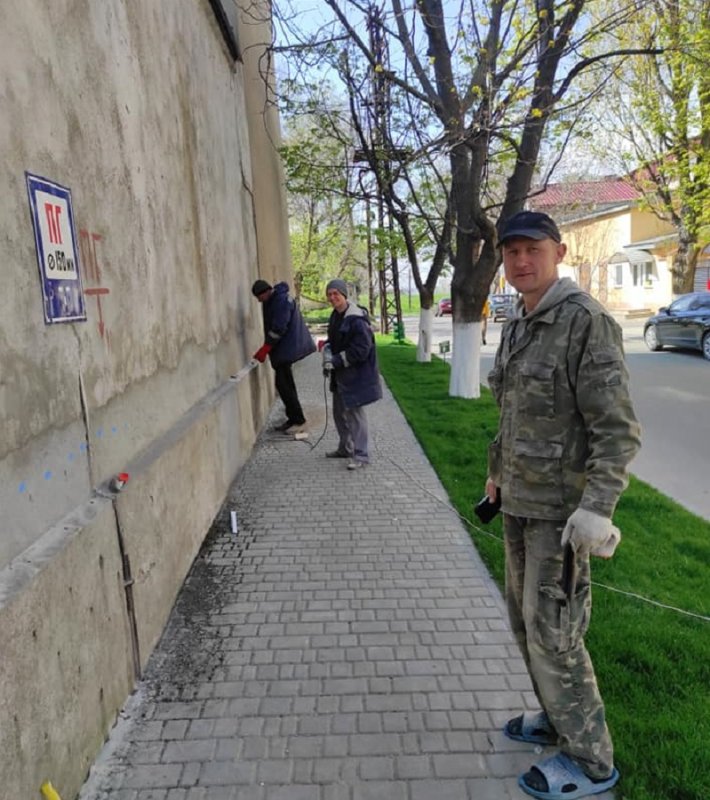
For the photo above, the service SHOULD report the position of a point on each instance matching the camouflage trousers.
(549, 620)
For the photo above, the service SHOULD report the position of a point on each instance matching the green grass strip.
(652, 663)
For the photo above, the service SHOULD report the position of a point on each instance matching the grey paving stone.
(440, 790)
(190, 773)
(381, 790)
(152, 776)
(278, 771)
(242, 793)
(198, 750)
(227, 773)
(293, 793)
(460, 765)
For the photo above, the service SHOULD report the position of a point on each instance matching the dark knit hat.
(338, 285)
(530, 225)
(260, 287)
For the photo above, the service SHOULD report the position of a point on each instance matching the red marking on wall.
(92, 268)
(55, 231)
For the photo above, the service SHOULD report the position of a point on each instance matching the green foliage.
(653, 664)
(670, 98)
(658, 107)
(326, 240)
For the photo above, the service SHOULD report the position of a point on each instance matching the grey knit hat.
(339, 286)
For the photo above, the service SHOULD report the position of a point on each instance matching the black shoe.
(337, 454)
(284, 426)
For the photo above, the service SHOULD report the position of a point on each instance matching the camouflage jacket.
(567, 428)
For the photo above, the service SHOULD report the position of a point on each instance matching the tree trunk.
(684, 262)
(465, 378)
(470, 288)
(424, 340)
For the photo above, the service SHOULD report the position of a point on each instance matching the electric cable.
(325, 404)
(499, 539)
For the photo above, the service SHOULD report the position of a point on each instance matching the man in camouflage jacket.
(566, 436)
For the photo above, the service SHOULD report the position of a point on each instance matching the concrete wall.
(269, 193)
(139, 110)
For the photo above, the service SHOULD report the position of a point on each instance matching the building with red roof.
(618, 250)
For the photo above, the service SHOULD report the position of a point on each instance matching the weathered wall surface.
(66, 664)
(264, 130)
(139, 110)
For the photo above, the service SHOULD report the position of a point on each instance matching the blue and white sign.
(57, 253)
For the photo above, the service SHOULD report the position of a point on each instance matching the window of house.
(618, 275)
(642, 274)
(226, 13)
(650, 276)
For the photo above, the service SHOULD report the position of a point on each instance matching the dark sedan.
(684, 323)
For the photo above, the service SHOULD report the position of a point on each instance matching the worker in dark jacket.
(351, 360)
(286, 340)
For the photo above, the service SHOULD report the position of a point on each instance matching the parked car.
(444, 307)
(502, 306)
(684, 323)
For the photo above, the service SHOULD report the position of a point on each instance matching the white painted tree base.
(426, 317)
(465, 380)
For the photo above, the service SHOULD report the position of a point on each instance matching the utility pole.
(379, 158)
(370, 282)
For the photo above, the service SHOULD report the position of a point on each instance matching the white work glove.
(591, 533)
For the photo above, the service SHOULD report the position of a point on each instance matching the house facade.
(617, 250)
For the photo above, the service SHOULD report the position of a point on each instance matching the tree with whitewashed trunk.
(471, 89)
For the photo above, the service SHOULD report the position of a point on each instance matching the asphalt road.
(671, 391)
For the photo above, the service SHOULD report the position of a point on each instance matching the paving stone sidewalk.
(346, 644)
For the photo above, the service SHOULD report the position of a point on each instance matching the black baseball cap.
(530, 225)
(260, 287)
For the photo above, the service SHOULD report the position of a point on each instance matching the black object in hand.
(485, 509)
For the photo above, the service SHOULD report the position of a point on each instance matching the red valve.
(119, 481)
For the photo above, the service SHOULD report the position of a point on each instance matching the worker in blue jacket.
(350, 358)
(286, 340)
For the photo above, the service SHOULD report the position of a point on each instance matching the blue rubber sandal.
(531, 726)
(565, 780)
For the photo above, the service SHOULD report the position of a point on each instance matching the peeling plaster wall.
(139, 110)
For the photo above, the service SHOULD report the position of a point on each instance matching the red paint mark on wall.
(55, 232)
(92, 270)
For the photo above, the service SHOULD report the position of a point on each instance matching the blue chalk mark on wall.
(83, 447)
